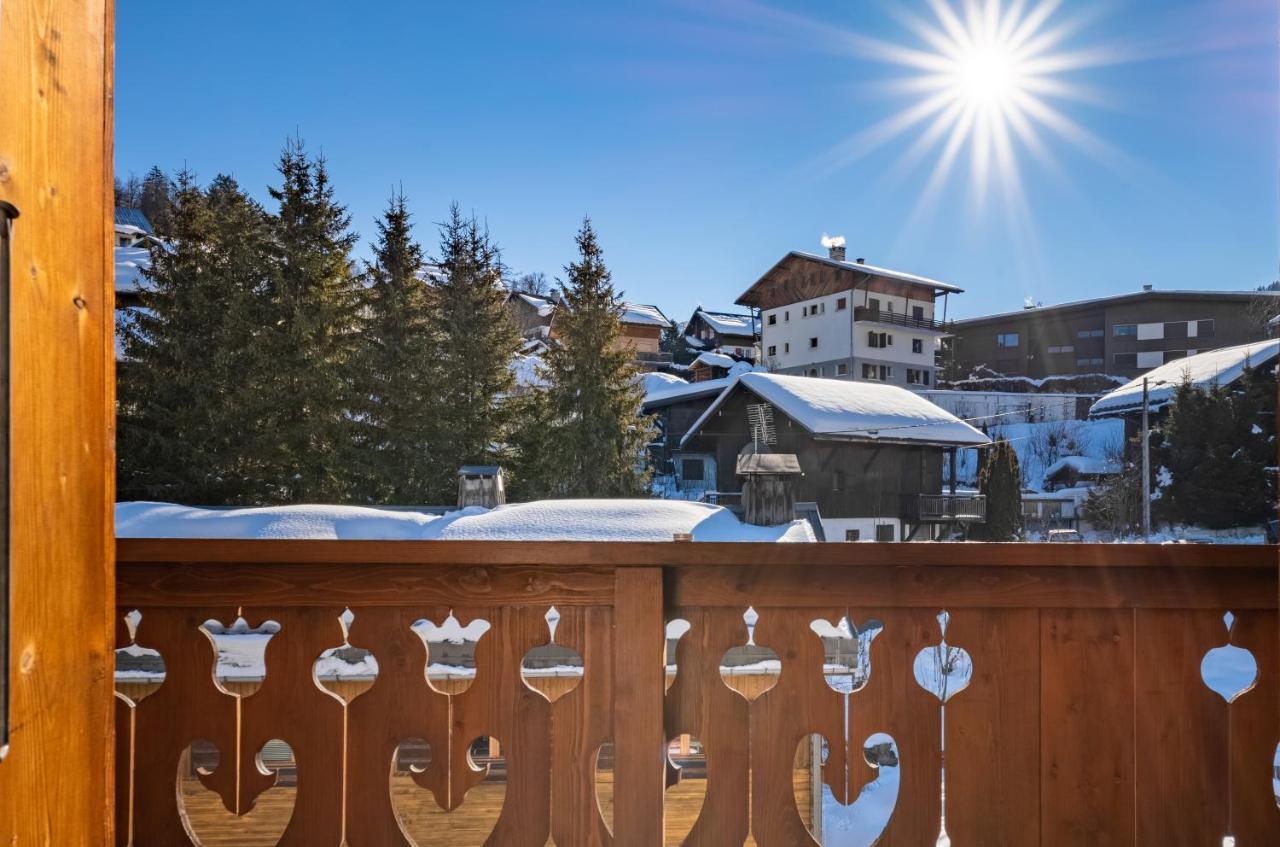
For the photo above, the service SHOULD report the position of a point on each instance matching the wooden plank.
(1087, 778)
(993, 729)
(701, 705)
(892, 702)
(1255, 731)
(639, 683)
(327, 585)
(55, 168)
(662, 553)
(1003, 586)
(1181, 726)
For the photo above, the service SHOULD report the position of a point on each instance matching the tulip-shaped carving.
(1231, 672)
(944, 671)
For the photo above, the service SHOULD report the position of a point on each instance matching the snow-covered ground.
(546, 520)
(1098, 440)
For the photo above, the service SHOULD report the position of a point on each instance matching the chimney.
(768, 487)
(1148, 287)
(861, 261)
(837, 252)
(481, 485)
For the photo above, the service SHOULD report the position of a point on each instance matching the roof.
(644, 315)
(134, 218)
(1091, 465)
(665, 393)
(544, 305)
(860, 411)
(750, 298)
(543, 520)
(479, 470)
(768, 463)
(1119, 299)
(715, 360)
(729, 323)
(1216, 367)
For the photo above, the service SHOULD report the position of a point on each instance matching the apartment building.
(1124, 335)
(824, 316)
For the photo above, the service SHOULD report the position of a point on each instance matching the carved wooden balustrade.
(1081, 694)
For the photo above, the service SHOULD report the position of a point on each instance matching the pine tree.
(155, 199)
(187, 355)
(673, 342)
(399, 369)
(590, 436)
(311, 340)
(477, 343)
(1000, 481)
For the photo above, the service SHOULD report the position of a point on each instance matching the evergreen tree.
(673, 342)
(1215, 450)
(1115, 504)
(589, 437)
(156, 201)
(477, 342)
(1000, 481)
(399, 369)
(311, 339)
(187, 355)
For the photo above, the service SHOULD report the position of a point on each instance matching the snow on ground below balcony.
(545, 520)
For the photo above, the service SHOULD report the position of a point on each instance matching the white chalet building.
(823, 316)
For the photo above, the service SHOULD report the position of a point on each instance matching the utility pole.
(1146, 465)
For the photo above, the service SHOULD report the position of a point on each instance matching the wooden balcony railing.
(863, 313)
(938, 508)
(803, 700)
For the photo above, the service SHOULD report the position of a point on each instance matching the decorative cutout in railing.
(944, 671)
(1231, 672)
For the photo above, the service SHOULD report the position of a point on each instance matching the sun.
(988, 75)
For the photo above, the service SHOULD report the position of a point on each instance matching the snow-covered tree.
(589, 436)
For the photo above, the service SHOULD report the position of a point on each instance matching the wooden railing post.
(639, 676)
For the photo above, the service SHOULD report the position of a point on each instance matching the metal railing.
(948, 507)
(866, 314)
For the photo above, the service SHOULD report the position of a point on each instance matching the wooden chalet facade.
(867, 486)
(731, 333)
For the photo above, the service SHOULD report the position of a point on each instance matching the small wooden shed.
(768, 487)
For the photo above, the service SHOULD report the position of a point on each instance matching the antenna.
(760, 419)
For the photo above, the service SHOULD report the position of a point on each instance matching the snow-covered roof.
(715, 360)
(544, 306)
(644, 315)
(130, 262)
(729, 323)
(132, 218)
(1216, 367)
(544, 520)
(656, 394)
(854, 410)
(875, 270)
(1091, 465)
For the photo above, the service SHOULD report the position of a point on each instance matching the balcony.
(947, 508)
(863, 314)
(651, 358)
(377, 710)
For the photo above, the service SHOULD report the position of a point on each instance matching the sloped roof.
(1091, 465)
(752, 296)
(729, 323)
(861, 411)
(1215, 367)
(134, 218)
(644, 315)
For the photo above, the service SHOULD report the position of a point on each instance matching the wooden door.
(55, 169)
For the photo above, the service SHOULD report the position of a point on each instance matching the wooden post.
(639, 742)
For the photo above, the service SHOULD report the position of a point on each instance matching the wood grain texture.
(55, 167)
(639, 683)
(1255, 730)
(1087, 724)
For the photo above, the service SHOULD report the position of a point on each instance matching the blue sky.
(699, 135)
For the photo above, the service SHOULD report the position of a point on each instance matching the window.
(1204, 329)
(837, 480)
(1125, 330)
(1007, 339)
(879, 339)
(813, 342)
(869, 372)
(691, 470)
(853, 535)
(1174, 355)
(917, 345)
(773, 349)
(926, 377)
(1089, 362)
(1091, 333)
(786, 315)
(1065, 348)
(1126, 360)
(917, 312)
(786, 347)
(915, 376)
(813, 371)
(842, 369)
(773, 320)
(886, 373)
(842, 303)
(873, 304)
(884, 532)
(1175, 329)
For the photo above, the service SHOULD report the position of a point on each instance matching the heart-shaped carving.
(1229, 670)
(943, 670)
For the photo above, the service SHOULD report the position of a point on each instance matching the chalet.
(676, 405)
(531, 314)
(728, 333)
(870, 455)
(642, 326)
(824, 316)
(709, 366)
(1078, 471)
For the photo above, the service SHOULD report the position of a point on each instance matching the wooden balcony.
(864, 314)
(947, 508)
(1085, 719)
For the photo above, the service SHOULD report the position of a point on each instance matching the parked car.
(1064, 536)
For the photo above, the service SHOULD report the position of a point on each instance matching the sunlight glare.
(988, 74)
